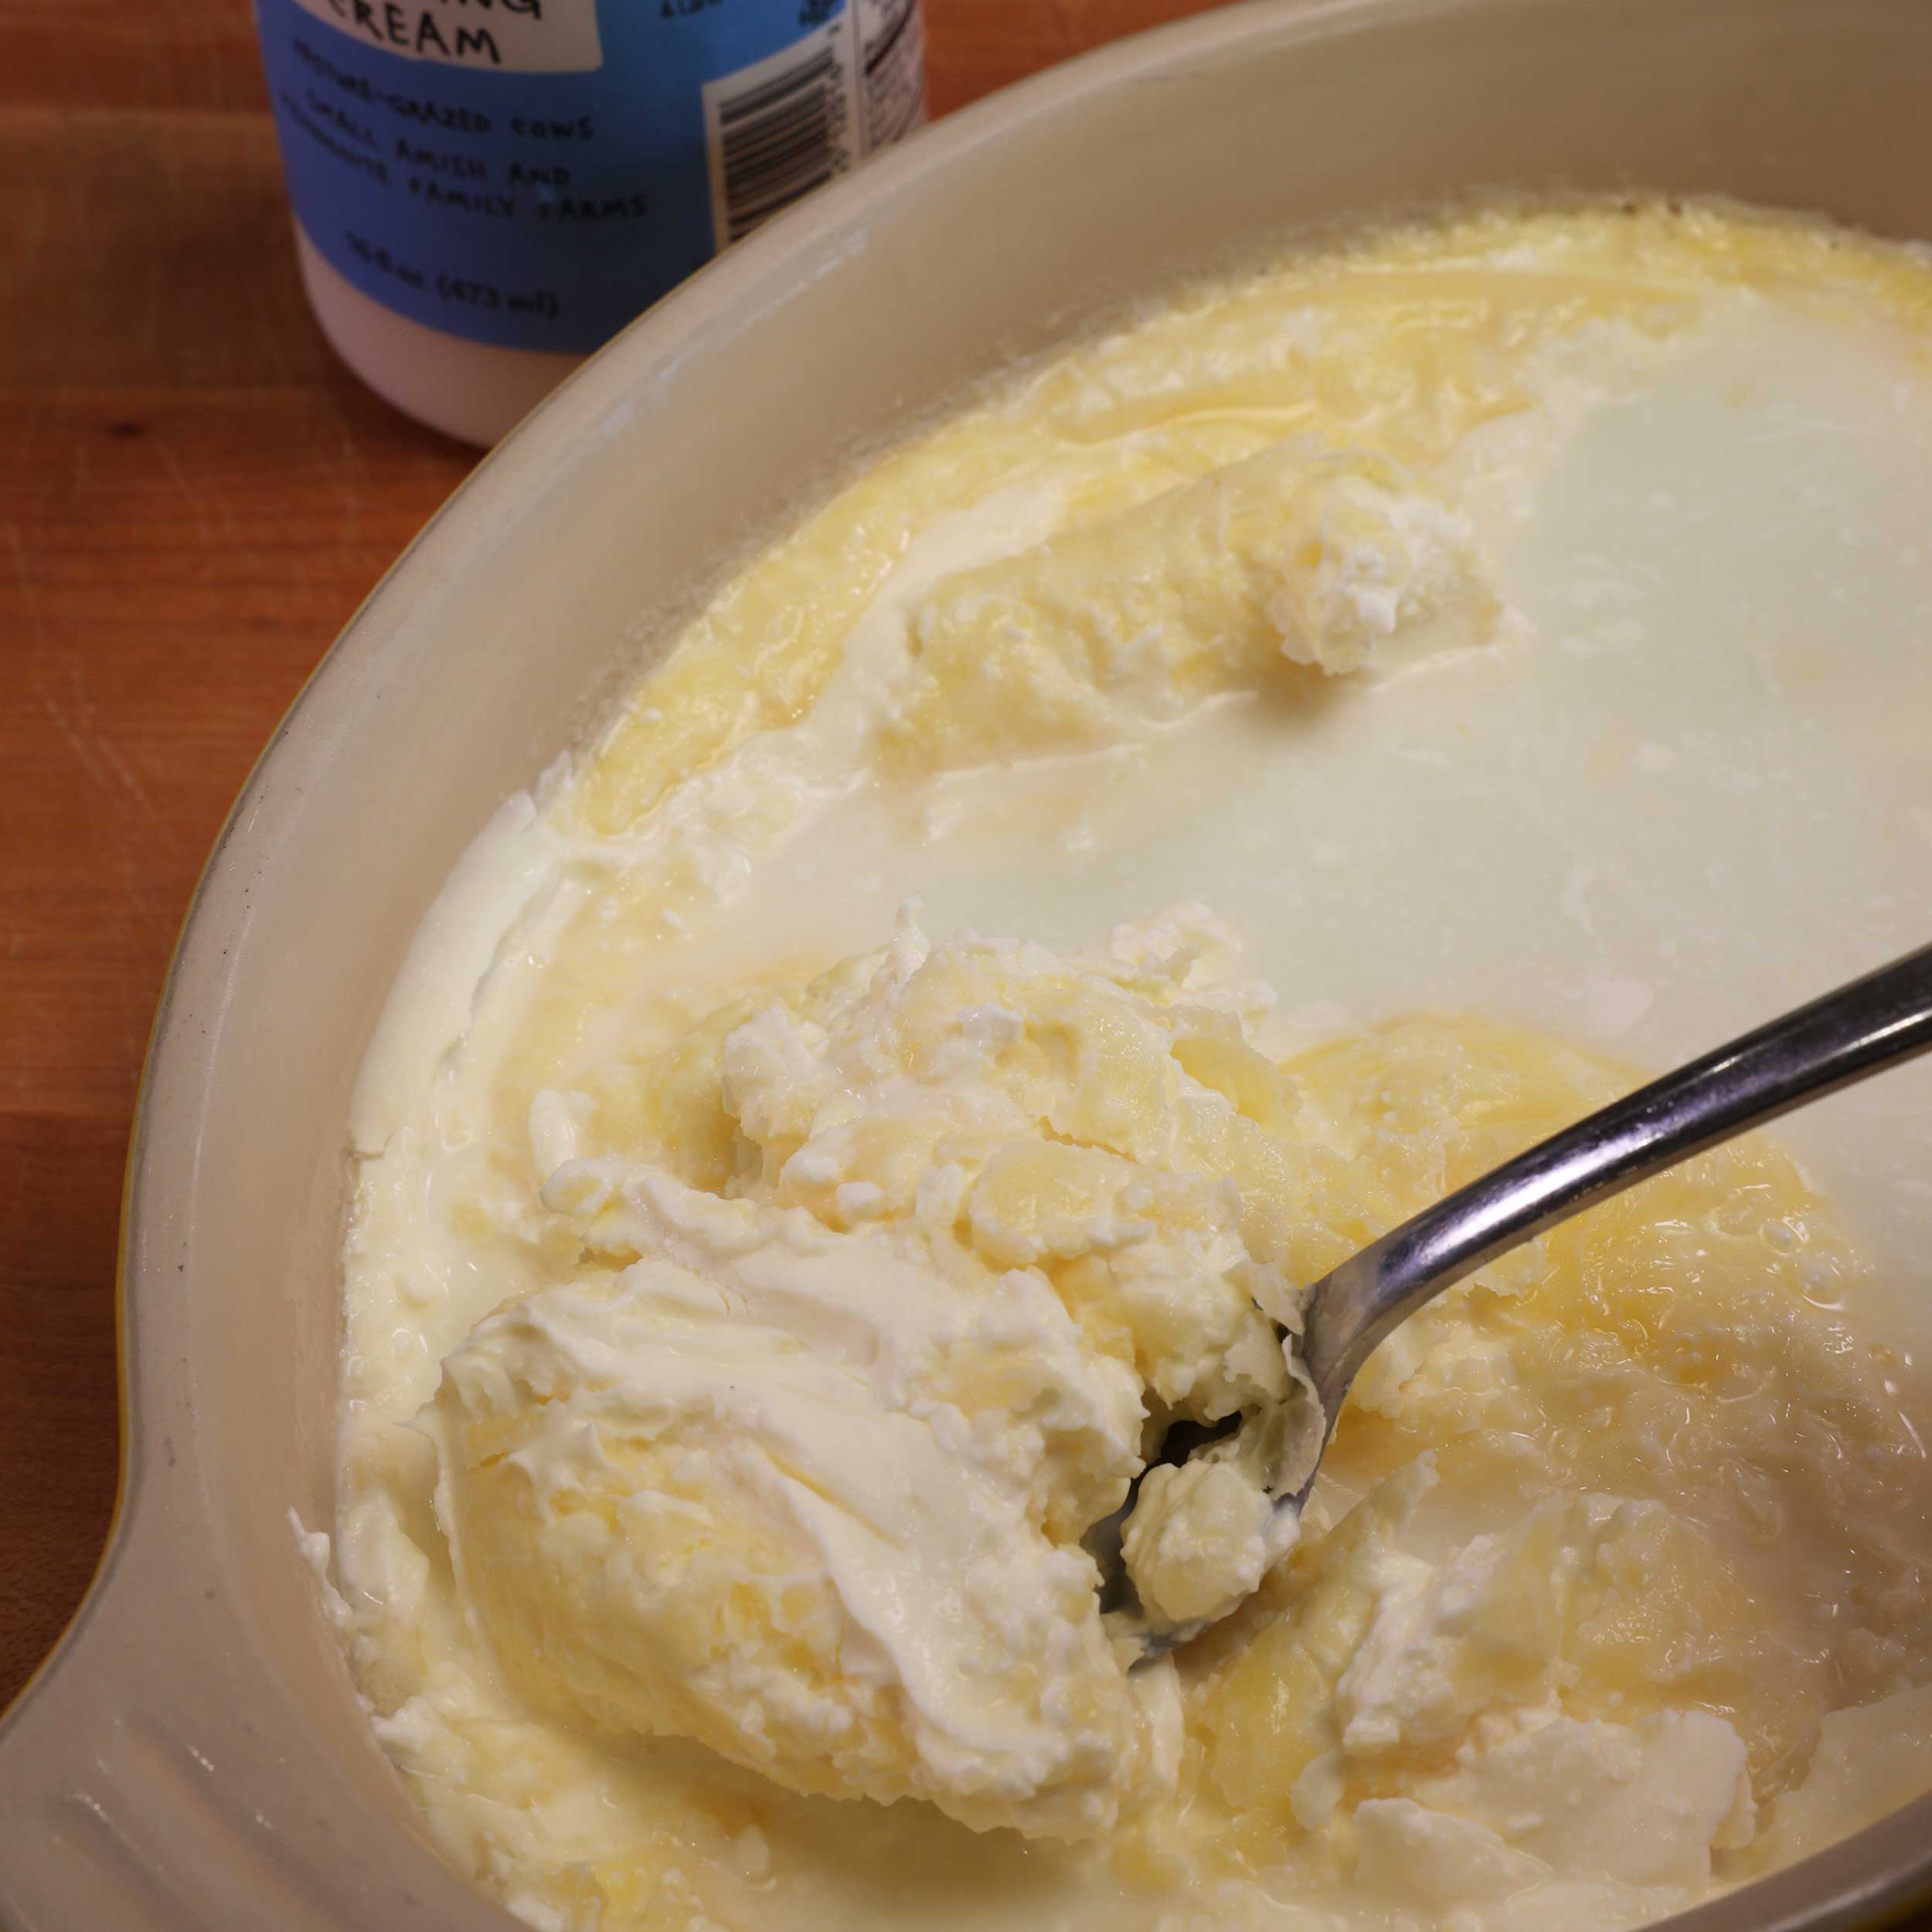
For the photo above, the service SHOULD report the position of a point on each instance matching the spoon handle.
(1871, 1023)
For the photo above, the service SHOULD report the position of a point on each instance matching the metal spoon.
(1871, 1023)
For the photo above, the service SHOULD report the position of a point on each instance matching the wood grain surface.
(194, 496)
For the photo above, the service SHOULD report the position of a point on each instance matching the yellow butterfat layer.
(1400, 343)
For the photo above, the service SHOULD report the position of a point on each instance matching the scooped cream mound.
(1202, 1536)
(800, 1467)
(705, 1498)
(1302, 555)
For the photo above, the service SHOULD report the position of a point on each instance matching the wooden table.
(194, 496)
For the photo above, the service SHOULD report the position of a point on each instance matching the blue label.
(533, 173)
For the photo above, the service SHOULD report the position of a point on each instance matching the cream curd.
(1121, 852)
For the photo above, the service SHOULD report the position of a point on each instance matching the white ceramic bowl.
(193, 1756)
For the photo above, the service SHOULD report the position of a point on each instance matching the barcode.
(892, 43)
(777, 131)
